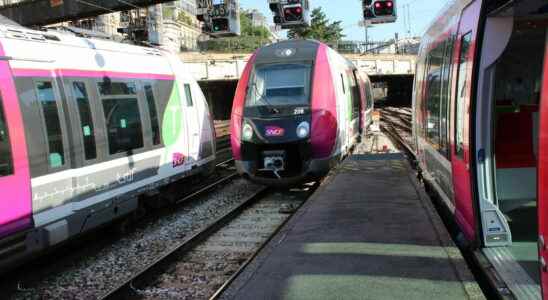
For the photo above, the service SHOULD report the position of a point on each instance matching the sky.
(422, 12)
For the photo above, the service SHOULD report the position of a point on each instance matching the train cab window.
(6, 162)
(188, 94)
(86, 122)
(154, 122)
(279, 85)
(461, 94)
(46, 97)
(123, 120)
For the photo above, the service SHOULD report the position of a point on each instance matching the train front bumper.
(312, 170)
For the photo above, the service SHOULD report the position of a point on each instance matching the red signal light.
(293, 14)
(378, 5)
(389, 4)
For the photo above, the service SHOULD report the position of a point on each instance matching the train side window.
(355, 95)
(123, 120)
(154, 122)
(6, 161)
(433, 99)
(46, 97)
(461, 94)
(188, 94)
(108, 88)
(86, 121)
(445, 97)
(369, 94)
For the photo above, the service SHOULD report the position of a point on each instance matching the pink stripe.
(15, 202)
(238, 108)
(88, 74)
(324, 107)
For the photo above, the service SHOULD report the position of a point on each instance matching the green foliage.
(320, 29)
(185, 18)
(248, 29)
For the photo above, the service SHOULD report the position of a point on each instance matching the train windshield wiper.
(262, 97)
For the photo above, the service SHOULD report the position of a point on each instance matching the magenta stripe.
(15, 202)
(88, 74)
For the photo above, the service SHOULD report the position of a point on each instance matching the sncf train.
(299, 108)
(481, 129)
(86, 127)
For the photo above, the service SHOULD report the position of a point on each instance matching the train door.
(460, 149)
(191, 115)
(15, 210)
(543, 177)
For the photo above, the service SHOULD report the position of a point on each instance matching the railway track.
(204, 264)
(78, 265)
(397, 123)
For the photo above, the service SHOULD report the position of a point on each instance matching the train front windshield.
(279, 86)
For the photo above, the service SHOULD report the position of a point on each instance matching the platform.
(369, 232)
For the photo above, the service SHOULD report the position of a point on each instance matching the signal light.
(292, 14)
(220, 24)
(384, 8)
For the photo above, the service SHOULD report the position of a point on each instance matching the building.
(173, 25)
(257, 18)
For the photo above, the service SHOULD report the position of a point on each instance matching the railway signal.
(379, 11)
(220, 18)
(290, 13)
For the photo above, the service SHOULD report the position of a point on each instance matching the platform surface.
(369, 233)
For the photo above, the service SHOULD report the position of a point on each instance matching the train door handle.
(543, 265)
(541, 243)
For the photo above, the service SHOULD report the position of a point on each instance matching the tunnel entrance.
(393, 90)
(219, 95)
(389, 90)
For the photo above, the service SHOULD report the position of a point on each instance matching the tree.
(320, 29)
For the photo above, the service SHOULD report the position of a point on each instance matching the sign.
(55, 3)
(274, 131)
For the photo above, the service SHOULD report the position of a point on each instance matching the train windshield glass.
(279, 85)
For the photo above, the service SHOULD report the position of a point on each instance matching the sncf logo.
(274, 131)
(178, 159)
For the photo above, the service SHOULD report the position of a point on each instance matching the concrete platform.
(370, 232)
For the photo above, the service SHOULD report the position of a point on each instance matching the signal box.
(290, 13)
(380, 11)
(220, 18)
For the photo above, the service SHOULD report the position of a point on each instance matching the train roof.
(287, 51)
(14, 32)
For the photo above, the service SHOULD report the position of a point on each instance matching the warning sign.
(54, 3)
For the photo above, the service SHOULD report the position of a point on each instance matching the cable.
(95, 5)
(130, 4)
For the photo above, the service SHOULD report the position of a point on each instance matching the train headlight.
(303, 130)
(247, 132)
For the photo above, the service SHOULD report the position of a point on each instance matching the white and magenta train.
(299, 108)
(481, 130)
(86, 127)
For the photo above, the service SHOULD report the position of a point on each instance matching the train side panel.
(102, 126)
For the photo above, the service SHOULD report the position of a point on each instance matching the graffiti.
(82, 187)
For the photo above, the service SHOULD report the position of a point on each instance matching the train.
(299, 108)
(87, 128)
(480, 127)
